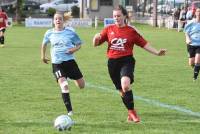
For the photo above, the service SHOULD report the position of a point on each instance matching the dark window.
(106, 2)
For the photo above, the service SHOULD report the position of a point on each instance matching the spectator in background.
(182, 19)
(3, 25)
(176, 15)
(189, 14)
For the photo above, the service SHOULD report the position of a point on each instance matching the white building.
(101, 8)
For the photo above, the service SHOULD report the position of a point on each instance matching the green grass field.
(166, 98)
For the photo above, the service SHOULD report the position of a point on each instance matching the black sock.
(2, 40)
(67, 101)
(196, 70)
(128, 100)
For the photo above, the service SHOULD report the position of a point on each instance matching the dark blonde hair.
(124, 12)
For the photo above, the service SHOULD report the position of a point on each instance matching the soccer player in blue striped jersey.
(64, 43)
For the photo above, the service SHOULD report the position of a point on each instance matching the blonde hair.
(66, 15)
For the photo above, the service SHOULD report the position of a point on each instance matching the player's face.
(197, 13)
(58, 20)
(118, 17)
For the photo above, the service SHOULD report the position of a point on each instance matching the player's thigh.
(58, 71)
(128, 70)
(114, 72)
(191, 54)
(72, 70)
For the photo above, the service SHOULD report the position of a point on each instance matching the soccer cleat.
(132, 116)
(70, 113)
(194, 79)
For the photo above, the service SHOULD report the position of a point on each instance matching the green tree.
(19, 11)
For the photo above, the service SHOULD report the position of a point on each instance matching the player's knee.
(64, 86)
(125, 83)
(82, 85)
(126, 88)
(191, 64)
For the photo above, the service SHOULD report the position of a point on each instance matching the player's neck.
(121, 25)
(59, 28)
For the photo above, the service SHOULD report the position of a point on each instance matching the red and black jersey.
(121, 40)
(3, 19)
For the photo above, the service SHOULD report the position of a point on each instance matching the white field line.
(149, 101)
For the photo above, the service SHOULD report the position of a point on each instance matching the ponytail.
(66, 15)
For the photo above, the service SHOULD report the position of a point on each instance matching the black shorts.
(3, 30)
(120, 67)
(67, 69)
(193, 50)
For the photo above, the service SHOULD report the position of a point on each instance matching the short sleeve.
(76, 40)
(104, 36)
(139, 40)
(46, 38)
(187, 28)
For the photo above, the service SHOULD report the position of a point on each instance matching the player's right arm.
(187, 30)
(187, 39)
(100, 38)
(44, 47)
(43, 53)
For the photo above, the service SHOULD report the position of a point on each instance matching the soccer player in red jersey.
(3, 24)
(121, 39)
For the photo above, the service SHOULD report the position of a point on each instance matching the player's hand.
(97, 36)
(96, 39)
(45, 60)
(188, 42)
(162, 52)
(71, 50)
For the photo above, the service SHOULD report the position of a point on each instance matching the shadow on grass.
(29, 124)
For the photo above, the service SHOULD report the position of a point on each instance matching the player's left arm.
(154, 51)
(140, 41)
(6, 20)
(74, 49)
